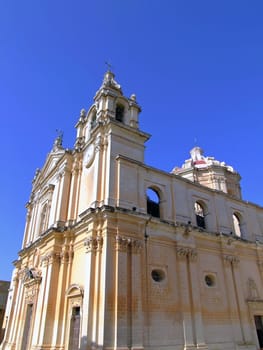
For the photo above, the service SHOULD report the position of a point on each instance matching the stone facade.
(119, 255)
(4, 288)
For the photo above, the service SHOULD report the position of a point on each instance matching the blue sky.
(196, 67)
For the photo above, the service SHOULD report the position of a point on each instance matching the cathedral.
(118, 255)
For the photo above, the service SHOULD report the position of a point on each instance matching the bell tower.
(110, 128)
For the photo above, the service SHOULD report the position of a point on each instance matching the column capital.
(122, 243)
(50, 258)
(186, 252)
(230, 260)
(93, 244)
(136, 246)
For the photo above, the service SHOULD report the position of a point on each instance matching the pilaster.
(197, 310)
(74, 191)
(185, 254)
(230, 262)
(63, 193)
(122, 276)
(46, 304)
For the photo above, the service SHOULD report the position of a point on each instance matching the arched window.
(237, 224)
(153, 203)
(200, 215)
(119, 112)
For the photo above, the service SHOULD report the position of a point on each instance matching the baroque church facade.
(119, 255)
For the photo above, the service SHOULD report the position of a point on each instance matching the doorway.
(74, 329)
(27, 327)
(259, 328)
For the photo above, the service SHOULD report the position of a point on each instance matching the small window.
(153, 203)
(119, 114)
(209, 280)
(236, 224)
(200, 215)
(158, 275)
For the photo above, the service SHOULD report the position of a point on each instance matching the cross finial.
(59, 138)
(109, 66)
(195, 141)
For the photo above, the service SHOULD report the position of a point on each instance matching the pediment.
(51, 162)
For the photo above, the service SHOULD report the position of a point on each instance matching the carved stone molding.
(186, 252)
(100, 142)
(80, 142)
(122, 244)
(93, 244)
(31, 292)
(65, 256)
(136, 246)
(50, 258)
(31, 278)
(230, 260)
(76, 167)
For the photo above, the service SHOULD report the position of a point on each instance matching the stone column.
(234, 312)
(27, 226)
(91, 244)
(136, 324)
(185, 297)
(33, 222)
(98, 293)
(17, 322)
(62, 199)
(59, 323)
(242, 306)
(47, 300)
(74, 192)
(121, 302)
(9, 337)
(195, 295)
(67, 255)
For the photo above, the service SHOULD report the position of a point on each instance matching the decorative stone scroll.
(93, 244)
(31, 278)
(186, 252)
(231, 260)
(79, 144)
(122, 243)
(30, 275)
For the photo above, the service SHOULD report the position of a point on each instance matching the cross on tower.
(109, 66)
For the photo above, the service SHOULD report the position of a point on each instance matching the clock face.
(89, 156)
